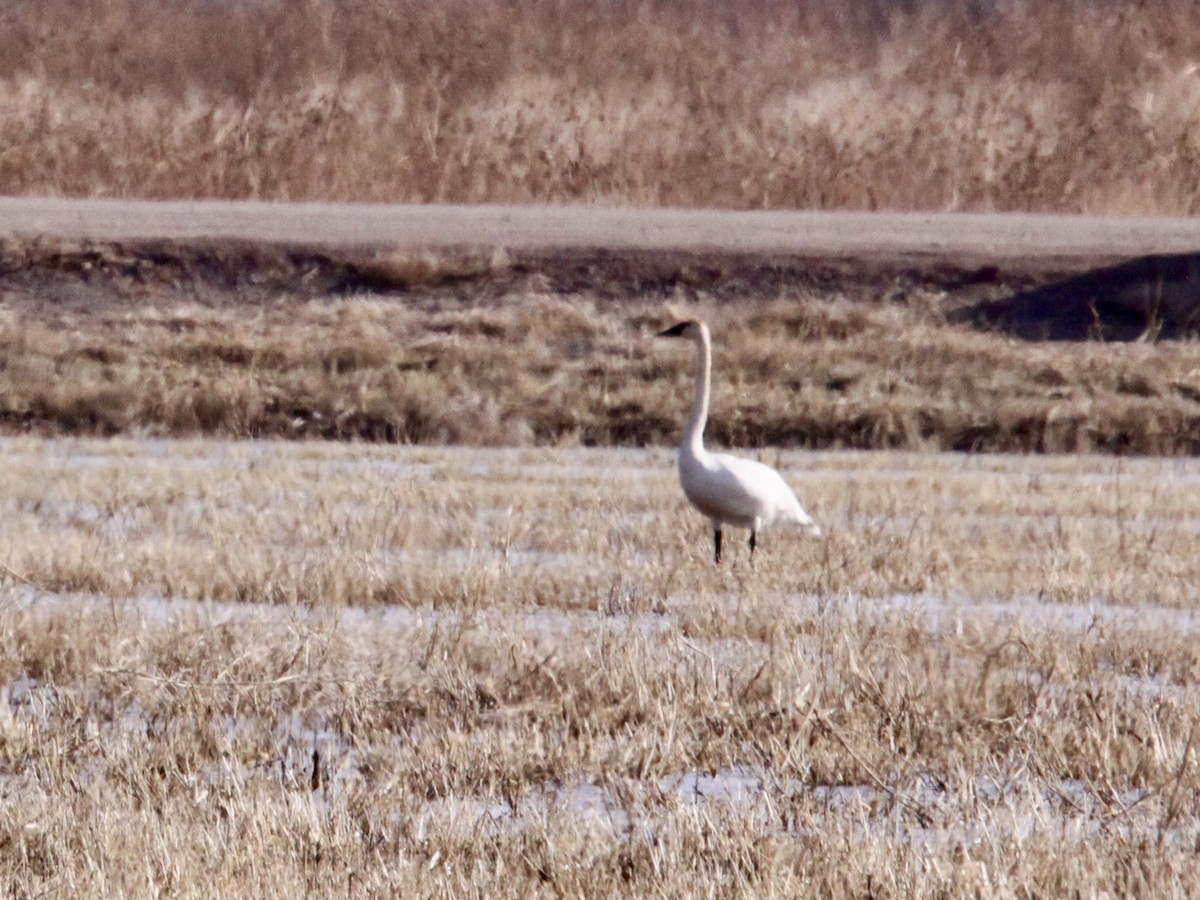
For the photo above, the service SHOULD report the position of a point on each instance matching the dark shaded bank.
(236, 271)
(1147, 298)
(1154, 297)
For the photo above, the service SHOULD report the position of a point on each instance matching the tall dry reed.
(1074, 106)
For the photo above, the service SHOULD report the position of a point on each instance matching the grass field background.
(273, 668)
(1076, 106)
(446, 349)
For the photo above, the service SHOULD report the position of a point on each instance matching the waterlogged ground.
(261, 668)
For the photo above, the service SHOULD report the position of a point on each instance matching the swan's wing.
(776, 500)
(743, 491)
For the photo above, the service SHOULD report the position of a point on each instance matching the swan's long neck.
(693, 437)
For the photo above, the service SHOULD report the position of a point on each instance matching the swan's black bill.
(675, 330)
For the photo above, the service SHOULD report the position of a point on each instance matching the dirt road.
(1037, 241)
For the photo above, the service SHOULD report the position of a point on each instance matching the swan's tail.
(804, 520)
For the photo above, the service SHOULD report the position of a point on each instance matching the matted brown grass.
(1072, 106)
(255, 669)
(95, 342)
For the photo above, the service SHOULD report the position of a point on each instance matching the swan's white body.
(728, 489)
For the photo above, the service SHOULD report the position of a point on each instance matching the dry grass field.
(474, 349)
(364, 572)
(282, 669)
(1080, 105)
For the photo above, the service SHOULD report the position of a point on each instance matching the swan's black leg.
(753, 542)
(716, 545)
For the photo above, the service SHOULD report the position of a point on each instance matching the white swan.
(728, 489)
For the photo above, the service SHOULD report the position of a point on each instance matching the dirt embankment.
(342, 247)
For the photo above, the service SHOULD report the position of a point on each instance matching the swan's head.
(690, 328)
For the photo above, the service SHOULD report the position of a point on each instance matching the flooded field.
(257, 668)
